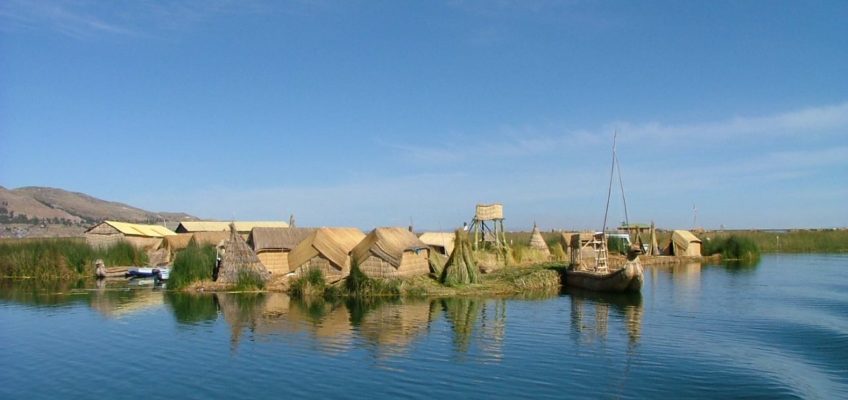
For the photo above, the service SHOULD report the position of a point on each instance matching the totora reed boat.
(590, 267)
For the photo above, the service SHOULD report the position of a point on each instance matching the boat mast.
(609, 189)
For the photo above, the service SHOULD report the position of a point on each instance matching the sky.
(377, 113)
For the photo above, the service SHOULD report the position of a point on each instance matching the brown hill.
(61, 206)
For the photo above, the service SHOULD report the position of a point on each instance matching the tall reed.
(192, 264)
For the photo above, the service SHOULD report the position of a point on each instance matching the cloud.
(64, 17)
(827, 120)
(86, 19)
(530, 141)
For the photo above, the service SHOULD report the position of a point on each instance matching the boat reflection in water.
(590, 315)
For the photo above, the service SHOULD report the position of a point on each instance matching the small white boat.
(158, 273)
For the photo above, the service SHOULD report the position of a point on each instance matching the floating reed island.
(337, 261)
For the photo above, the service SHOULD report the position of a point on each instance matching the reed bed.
(63, 258)
(796, 241)
(193, 264)
(738, 248)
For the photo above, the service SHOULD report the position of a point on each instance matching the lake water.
(775, 330)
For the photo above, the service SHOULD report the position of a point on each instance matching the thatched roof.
(176, 242)
(277, 238)
(387, 244)
(217, 226)
(581, 238)
(443, 239)
(489, 211)
(239, 257)
(180, 241)
(333, 244)
(682, 239)
(131, 229)
(537, 241)
(213, 238)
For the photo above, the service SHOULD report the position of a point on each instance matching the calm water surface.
(775, 330)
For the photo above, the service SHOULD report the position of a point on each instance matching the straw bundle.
(538, 242)
(460, 268)
(239, 259)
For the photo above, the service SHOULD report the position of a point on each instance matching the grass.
(310, 285)
(794, 241)
(733, 247)
(249, 281)
(790, 241)
(192, 264)
(63, 258)
(359, 284)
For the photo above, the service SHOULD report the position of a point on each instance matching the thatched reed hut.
(684, 243)
(441, 242)
(273, 245)
(243, 227)
(392, 253)
(176, 243)
(537, 242)
(141, 236)
(239, 259)
(328, 250)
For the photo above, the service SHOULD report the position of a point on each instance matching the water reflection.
(385, 327)
(391, 326)
(590, 315)
(43, 293)
(190, 309)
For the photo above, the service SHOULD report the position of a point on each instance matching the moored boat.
(159, 273)
(629, 278)
(590, 268)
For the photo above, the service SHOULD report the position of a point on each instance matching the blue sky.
(369, 113)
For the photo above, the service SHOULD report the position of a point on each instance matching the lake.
(778, 329)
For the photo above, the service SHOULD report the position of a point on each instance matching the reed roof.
(537, 241)
(262, 238)
(443, 239)
(176, 242)
(241, 226)
(388, 244)
(333, 244)
(213, 238)
(239, 257)
(682, 238)
(489, 211)
(131, 229)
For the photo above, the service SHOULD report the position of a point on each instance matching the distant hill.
(56, 206)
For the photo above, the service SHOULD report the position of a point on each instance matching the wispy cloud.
(69, 18)
(83, 19)
(823, 120)
(528, 141)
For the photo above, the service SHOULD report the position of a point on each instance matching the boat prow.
(627, 279)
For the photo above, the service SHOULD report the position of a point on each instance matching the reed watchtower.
(487, 226)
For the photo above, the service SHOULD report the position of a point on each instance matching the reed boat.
(590, 268)
(629, 278)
